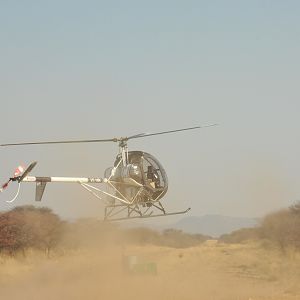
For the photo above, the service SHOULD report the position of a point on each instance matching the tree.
(42, 226)
(283, 228)
(13, 237)
(295, 209)
(30, 227)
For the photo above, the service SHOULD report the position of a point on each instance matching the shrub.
(241, 235)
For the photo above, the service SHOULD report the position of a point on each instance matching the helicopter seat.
(153, 188)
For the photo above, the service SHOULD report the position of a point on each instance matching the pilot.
(153, 176)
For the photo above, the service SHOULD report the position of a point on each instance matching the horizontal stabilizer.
(39, 191)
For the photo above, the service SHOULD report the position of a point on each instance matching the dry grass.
(209, 271)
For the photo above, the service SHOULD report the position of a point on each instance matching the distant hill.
(213, 225)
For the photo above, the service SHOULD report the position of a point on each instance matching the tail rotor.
(19, 174)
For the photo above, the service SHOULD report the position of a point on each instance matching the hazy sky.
(100, 69)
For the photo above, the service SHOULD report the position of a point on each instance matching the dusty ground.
(209, 271)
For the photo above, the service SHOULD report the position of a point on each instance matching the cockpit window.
(135, 172)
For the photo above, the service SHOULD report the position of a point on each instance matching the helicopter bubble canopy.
(143, 177)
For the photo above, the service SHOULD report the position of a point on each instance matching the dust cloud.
(91, 264)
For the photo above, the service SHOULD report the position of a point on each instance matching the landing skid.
(112, 212)
(117, 209)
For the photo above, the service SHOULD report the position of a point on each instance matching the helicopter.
(134, 185)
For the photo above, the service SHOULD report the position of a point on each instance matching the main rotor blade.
(170, 131)
(141, 135)
(60, 142)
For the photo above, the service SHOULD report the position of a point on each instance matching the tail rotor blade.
(5, 185)
(29, 169)
(19, 170)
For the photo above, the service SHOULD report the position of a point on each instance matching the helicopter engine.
(141, 179)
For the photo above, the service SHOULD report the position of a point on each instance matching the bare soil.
(209, 271)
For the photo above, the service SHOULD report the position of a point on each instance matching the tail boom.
(63, 179)
(42, 181)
